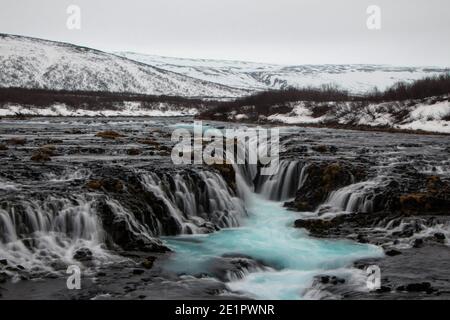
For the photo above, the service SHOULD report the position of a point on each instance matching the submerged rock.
(417, 287)
(315, 226)
(134, 152)
(40, 157)
(3, 277)
(149, 142)
(326, 279)
(439, 236)
(392, 252)
(109, 134)
(44, 153)
(17, 141)
(138, 271)
(83, 254)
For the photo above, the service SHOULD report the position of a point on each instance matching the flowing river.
(293, 258)
(107, 204)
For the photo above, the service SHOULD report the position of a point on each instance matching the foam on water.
(268, 236)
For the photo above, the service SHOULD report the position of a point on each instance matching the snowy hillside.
(34, 63)
(258, 76)
(125, 109)
(430, 114)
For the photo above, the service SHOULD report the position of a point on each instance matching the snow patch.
(129, 109)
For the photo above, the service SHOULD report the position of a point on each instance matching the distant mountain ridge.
(259, 76)
(41, 64)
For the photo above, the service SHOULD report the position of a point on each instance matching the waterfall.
(356, 197)
(197, 201)
(38, 232)
(280, 186)
(285, 183)
(42, 230)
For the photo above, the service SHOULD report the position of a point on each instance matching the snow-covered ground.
(259, 76)
(431, 114)
(35, 63)
(128, 109)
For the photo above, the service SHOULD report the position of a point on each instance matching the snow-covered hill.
(258, 76)
(430, 114)
(35, 63)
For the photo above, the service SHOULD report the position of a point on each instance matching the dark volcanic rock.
(439, 236)
(40, 157)
(138, 271)
(315, 226)
(325, 279)
(418, 243)
(421, 196)
(3, 277)
(119, 232)
(392, 253)
(321, 179)
(83, 254)
(134, 152)
(228, 174)
(417, 287)
(109, 134)
(234, 266)
(148, 262)
(17, 141)
(108, 184)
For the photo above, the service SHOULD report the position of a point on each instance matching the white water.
(194, 209)
(55, 228)
(268, 236)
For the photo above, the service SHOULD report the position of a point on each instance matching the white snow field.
(35, 63)
(258, 76)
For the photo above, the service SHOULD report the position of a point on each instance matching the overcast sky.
(413, 32)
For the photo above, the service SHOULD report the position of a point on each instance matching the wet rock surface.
(87, 191)
(321, 180)
(398, 199)
(71, 178)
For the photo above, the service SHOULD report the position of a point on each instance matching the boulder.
(439, 236)
(83, 254)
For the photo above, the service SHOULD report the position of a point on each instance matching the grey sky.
(414, 32)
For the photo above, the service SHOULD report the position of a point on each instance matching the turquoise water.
(267, 235)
